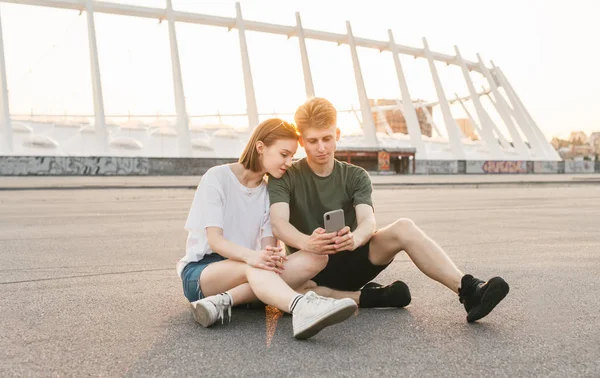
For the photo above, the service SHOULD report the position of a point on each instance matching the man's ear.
(337, 134)
(260, 147)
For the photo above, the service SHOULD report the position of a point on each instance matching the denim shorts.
(190, 276)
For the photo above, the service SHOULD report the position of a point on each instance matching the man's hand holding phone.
(320, 242)
(344, 240)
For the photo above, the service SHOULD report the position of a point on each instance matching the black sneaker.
(480, 297)
(396, 294)
(372, 285)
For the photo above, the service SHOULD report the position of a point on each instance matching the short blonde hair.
(267, 132)
(316, 113)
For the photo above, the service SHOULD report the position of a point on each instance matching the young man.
(357, 253)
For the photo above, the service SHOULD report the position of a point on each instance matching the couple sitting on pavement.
(237, 216)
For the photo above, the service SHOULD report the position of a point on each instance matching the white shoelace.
(224, 303)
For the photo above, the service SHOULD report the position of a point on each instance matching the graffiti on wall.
(496, 166)
(579, 166)
(436, 167)
(72, 166)
(545, 167)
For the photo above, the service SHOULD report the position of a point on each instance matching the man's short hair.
(316, 113)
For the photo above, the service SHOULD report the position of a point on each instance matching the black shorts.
(349, 270)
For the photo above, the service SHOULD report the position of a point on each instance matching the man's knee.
(399, 234)
(405, 229)
(404, 225)
(318, 262)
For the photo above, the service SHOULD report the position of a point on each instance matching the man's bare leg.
(330, 293)
(428, 256)
(478, 297)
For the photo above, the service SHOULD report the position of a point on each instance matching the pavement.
(88, 287)
(403, 181)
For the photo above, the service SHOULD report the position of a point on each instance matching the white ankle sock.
(294, 302)
(230, 297)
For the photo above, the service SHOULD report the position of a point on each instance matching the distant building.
(395, 118)
(558, 143)
(578, 138)
(595, 141)
(466, 127)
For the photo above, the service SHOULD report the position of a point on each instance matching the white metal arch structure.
(510, 108)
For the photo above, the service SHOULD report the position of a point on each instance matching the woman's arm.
(268, 258)
(226, 248)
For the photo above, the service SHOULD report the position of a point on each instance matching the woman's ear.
(260, 147)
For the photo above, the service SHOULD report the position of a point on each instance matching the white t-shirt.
(222, 201)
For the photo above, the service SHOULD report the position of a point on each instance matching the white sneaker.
(313, 313)
(208, 310)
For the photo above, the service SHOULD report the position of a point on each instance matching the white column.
(551, 153)
(453, 133)
(486, 123)
(5, 144)
(367, 116)
(519, 114)
(183, 130)
(382, 121)
(500, 136)
(468, 113)
(410, 115)
(308, 82)
(430, 120)
(502, 108)
(99, 121)
(251, 108)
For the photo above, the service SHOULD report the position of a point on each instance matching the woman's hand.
(271, 258)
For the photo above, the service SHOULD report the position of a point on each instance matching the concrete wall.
(488, 166)
(547, 167)
(581, 166)
(436, 167)
(104, 166)
(143, 166)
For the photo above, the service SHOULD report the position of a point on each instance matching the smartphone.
(334, 220)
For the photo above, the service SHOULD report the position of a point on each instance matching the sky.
(546, 48)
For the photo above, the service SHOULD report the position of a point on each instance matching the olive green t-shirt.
(310, 196)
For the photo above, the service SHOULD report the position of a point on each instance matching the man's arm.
(365, 217)
(319, 242)
(282, 228)
(349, 241)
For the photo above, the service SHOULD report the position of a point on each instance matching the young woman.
(231, 254)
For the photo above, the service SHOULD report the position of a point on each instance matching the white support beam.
(99, 119)
(365, 108)
(496, 130)
(550, 152)
(430, 120)
(410, 115)
(227, 22)
(468, 113)
(504, 111)
(519, 114)
(308, 81)
(453, 132)
(251, 108)
(6, 145)
(183, 130)
(486, 123)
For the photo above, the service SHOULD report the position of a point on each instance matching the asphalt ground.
(88, 288)
(379, 180)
